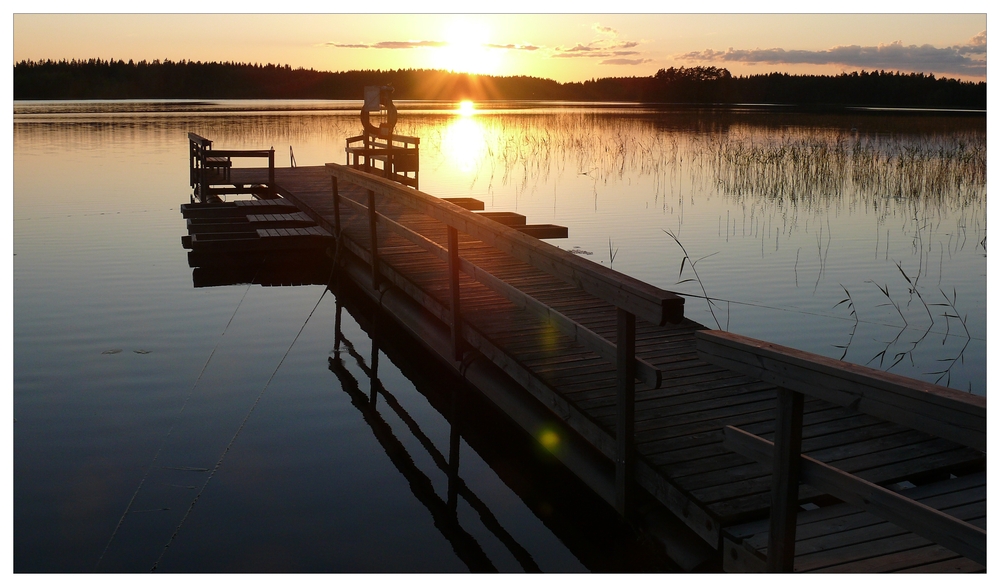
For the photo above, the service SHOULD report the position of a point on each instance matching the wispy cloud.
(624, 61)
(891, 56)
(596, 54)
(513, 47)
(421, 44)
(605, 30)
(597, 49)
(389, 45)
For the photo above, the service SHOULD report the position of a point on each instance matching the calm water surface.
(153, 413)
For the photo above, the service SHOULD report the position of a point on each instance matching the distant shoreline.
(319, 105)
(695, 87)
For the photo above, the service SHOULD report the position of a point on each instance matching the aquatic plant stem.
(687, 258)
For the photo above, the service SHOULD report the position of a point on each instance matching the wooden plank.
(543, 231)
(955, 534)
(952, 565)
(505, 218)
(934, 409)
(466, 203)
(865, 527)
(738, 559)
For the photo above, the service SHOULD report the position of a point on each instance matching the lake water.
(206, 429)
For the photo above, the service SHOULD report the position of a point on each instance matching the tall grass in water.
(810, 168)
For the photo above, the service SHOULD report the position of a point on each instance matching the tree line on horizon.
(96, 79)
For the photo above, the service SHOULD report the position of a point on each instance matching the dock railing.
(631, 297)
(208, 165)
(936, 410)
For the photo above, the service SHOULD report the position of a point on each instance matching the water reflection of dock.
(558, 499)
(615, 370)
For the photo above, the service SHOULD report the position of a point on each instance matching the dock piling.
(455, 294)
(625, 428)
(373, 234)
(785, 481)
(336, 208)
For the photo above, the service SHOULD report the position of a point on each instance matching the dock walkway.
(722, 496)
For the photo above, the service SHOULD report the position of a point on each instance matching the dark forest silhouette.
(110, 79)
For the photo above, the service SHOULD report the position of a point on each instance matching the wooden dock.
(560, 326)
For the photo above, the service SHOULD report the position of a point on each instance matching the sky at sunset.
(564, 47)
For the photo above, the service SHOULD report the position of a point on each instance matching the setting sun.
(466, 108)
(467, 50)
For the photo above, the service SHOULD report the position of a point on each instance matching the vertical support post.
(203, 176)
(336, 208)
(368, 150)
(387, 172)
(456, 305)
(785, 481)
(270, 172)
(625, 426)
(373, 233)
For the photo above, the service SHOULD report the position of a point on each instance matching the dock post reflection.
(444, 512)
(454, 444)
(336, 328)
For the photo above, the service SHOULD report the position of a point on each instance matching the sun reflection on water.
(466, 108)
(463, 143)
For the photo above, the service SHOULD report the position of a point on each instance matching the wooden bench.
(398, 154)
(208, 166)
(201, 158)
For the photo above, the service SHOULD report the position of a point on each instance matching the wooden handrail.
(241, 152)
(648, 302)
(940, 411)
(398, 138)
(199, 139)
(645, 371)
(952, 533)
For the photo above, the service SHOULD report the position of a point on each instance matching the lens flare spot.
(550, 440)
